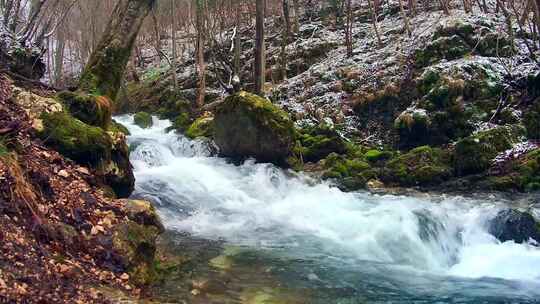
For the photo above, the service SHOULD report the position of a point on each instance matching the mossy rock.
(448, 47)
(90, 109)
(135, 241)
(247, 125)
(523, 175)
(317, 142)
(143, 120)
(413, 127)
(201, 127)
(118, 127)
(181, 123)
(105, 152)
(3, 149)
(117, 172)
(460, 37)
(374, 156)
(474, 154)
(74, 139)
(422, 166)
(352, 174)
(532, 120)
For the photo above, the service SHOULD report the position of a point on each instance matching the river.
(322, 245)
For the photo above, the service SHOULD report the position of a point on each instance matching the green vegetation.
(118, 127)
(201, 127)
(90, 109)
(247, 125)
(352, 174)
(421, 166)
(74, 139)
(143, 120)
(475, 153)
(317, 142)
(532, 121)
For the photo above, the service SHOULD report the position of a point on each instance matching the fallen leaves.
(50, 258)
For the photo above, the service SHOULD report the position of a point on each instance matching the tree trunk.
(285, 39)
(237, 43)
(348, 30)
(105, 69)
(201, 66)
(174, 50)
(59, 56)
(260, 58)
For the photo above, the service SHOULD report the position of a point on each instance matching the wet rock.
(201, 127)
(246, 125)
(514, 225)
(135, 241)
(142, 213)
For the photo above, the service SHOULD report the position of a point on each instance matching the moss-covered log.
(103, 73)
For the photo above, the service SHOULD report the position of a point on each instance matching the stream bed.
(260, 234)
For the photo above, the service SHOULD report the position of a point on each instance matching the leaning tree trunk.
(105, 68)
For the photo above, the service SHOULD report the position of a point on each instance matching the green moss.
(352, 174)
(181, 123)
(136, 245)
(421, 166)
(118, 127)
(143, 120)
(522, 174)
(90, 109)
(315, 143)
(74, 139)
(201, 127)
(475, 153)
(377, 155)
(104, 72)
(261, 109)
(247, 125)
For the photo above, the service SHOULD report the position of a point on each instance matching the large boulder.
(514, 225)
(246, 125)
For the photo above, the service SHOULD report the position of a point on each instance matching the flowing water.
(327, 245)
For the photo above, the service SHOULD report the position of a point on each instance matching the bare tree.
(260, 57)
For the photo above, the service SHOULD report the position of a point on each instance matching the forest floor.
(55, 241)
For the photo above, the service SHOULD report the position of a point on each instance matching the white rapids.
(261, 206)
